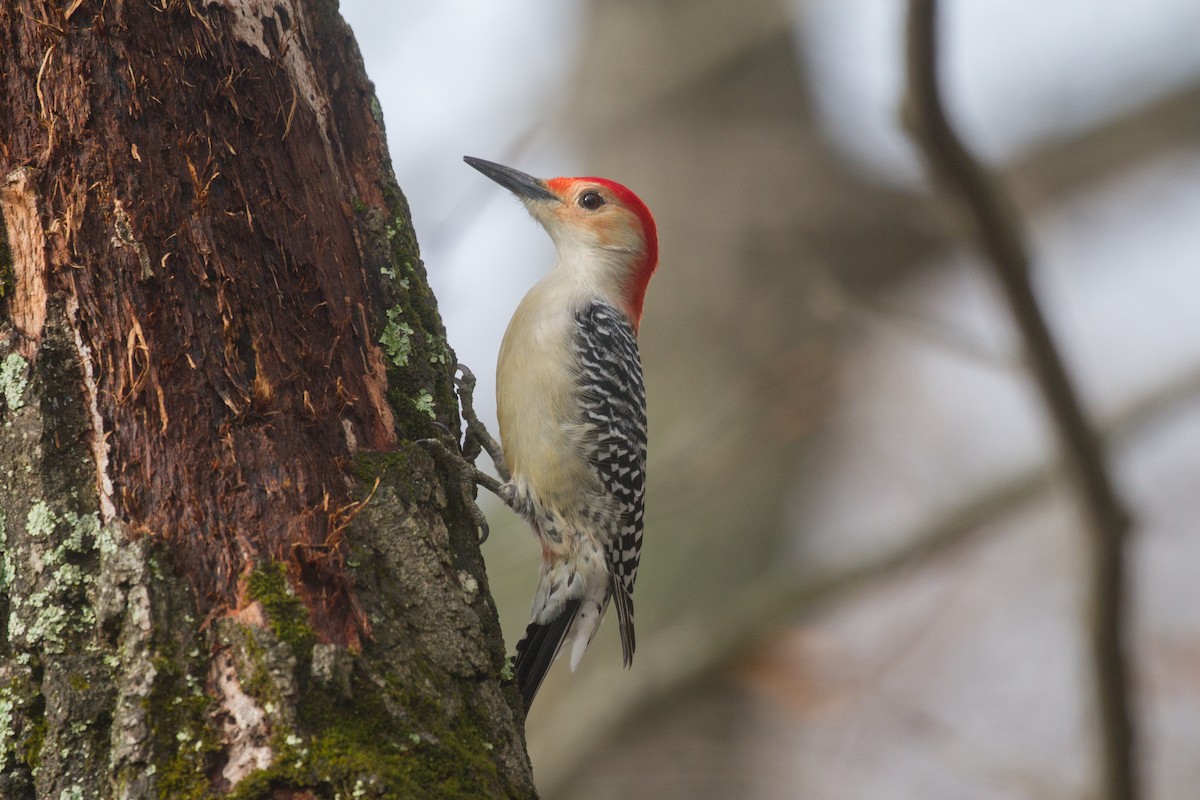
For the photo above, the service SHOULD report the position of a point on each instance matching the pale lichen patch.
(40, 521)
(397, 337)
(7, 565)
(8, 738)
(14, 379)
(424, 404)
(56, 602)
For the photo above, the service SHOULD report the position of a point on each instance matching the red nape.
(649, 262)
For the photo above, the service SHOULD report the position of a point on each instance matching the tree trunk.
(227, 567)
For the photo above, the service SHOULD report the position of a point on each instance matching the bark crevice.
(227, 568)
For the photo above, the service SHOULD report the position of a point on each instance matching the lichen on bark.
(227, 567)
(60, 668)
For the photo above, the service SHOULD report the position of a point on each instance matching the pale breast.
(537, 399)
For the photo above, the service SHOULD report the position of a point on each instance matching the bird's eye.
(591, 200)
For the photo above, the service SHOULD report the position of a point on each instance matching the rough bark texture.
(227, 568)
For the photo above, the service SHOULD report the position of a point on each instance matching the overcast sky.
(473, 77)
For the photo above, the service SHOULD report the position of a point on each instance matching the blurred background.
(860, 577)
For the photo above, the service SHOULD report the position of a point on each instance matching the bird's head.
(603, 232)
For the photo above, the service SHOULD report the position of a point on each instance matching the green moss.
(353, 747)
(35, 737)
(286, 613)
(403, 469)
(420, 362)
(389, 467)
(185, 746)
(22, 724)
(255, 667)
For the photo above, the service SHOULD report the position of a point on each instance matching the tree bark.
(227, 567)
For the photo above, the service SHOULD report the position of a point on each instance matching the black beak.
(515, 181)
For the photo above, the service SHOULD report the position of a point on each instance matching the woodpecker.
(572, 408)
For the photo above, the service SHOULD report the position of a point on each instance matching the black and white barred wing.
(614, 403)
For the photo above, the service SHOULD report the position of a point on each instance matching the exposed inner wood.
(223, 286)
(27, 246)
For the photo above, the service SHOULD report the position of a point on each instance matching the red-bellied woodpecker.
(572, 411)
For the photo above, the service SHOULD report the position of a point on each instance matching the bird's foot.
(465, 477)
(460, 460)
(477, 438)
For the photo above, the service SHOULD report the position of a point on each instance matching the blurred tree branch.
(762, 250)
(701, 645)
(993, 221)
(1067, 165)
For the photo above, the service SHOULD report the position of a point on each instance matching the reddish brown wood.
(201, 181)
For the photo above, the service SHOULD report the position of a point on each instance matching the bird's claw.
(464, 474)
(477, 438)
(460, 459)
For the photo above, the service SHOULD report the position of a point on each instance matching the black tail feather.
(624, 603)
(537, 650)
